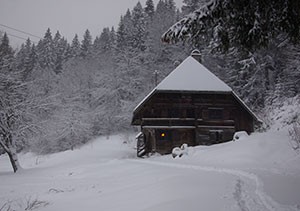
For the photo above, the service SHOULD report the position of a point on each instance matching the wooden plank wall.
(213, 116)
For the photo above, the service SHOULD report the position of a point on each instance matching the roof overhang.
(243, 104)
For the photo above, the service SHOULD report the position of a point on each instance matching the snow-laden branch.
(183, 29)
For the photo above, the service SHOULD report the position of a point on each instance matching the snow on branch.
(183, 29)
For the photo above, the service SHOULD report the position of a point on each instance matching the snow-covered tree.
(26, 59)
(86, 44)
(60, 46)
(149, 9)
(243, 24)
(45, 51)
(9, 98)
(139, 29)
(75, 47)
(125, 32)
(190, 6)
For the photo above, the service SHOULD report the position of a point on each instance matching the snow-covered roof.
(190, 75)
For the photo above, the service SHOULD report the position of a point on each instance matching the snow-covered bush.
(30, 203)
(180, 151)
(240, 135)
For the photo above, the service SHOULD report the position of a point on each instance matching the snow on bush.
(240, 135)
(28, 203)
(283, 114)
(180, 151)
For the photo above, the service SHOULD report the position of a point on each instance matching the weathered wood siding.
(192, 118)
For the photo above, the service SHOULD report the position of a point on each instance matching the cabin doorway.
(216, 136)
(164, 141)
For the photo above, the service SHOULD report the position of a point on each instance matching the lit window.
(162, 135)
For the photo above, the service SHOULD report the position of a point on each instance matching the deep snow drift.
(259, 172)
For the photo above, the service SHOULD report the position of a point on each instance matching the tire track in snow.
(266, 201)
(239, 195)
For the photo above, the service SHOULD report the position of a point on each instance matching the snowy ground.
(260, 172)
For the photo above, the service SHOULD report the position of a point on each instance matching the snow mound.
(180, 151)
(240, 135)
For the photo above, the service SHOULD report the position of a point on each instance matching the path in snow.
(104, 176)
(247, 199)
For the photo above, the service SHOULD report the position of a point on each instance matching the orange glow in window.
(163, 135)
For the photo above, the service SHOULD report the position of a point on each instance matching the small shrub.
(32, 204)
(6, 206)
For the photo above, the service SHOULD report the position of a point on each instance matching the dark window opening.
(216, 136)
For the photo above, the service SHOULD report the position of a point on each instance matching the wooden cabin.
(193, 106)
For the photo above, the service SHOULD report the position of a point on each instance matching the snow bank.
(259, 150)
(283, 114)
(257, 172)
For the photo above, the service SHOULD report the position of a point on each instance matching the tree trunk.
(12, 154)
(14, 161)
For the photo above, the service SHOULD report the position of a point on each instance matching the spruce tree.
(244, 24)
(26, 59)
(45, 51)
(6, 53)
(60, 51)
(86, 44)
(149, 9)
(190, 6)
(139, 27)
(75, 47)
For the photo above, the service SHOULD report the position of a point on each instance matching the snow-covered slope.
(259, 172)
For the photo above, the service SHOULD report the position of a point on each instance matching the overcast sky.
(67, 16)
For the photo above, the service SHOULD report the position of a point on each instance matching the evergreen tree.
(190, 6)
(6, 53)
(60, 51)
(45, 51)
(26, 58)
(139, 27)
(120, 36)
(125, 32)
(113, 37)
(75, 47)
(243, 24)
(86, 44)
(149, 9)
(103, 43)
(31, 62)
